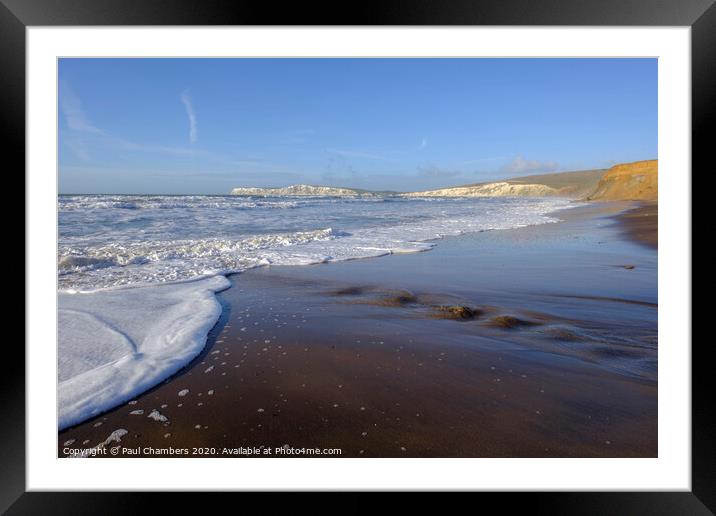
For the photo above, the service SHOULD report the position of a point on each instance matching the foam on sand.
(116, 344)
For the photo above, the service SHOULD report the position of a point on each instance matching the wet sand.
(534, 342)
(642, 224)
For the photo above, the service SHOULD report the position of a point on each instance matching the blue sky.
(207, 125)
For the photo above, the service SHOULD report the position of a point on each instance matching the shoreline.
(273, 360)
(642, 224)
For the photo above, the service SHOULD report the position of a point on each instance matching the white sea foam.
(158, 416)
(115, 344)
(138, 273)
(114, 437)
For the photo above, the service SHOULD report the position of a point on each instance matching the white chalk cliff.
(300, 190)
(499, 189)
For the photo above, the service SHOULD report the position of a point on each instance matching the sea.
(108, 241)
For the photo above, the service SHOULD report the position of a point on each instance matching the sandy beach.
(531, 342)
(642, 224)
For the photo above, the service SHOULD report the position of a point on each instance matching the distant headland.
(626, 181)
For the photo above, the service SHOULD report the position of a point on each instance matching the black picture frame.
(700, 15)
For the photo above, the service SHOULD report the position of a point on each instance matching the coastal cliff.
(574, 185)
(499, 189)
(636, 181)
(626, 181)
(298, 190)
(563, 184)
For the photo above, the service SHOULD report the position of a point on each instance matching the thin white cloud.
(162, 149)
(86, 134)
(260, 166)
(294, 136)
(357, 154)
(483, 160)
(424, 143)
(71, 108)
(521, 166)
(186, 100)
(79, 148)
(302, 132)
(434, 171)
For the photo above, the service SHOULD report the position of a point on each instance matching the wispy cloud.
(260, 166)
(84, 134)
(520, 166)
(399, 179)
(357, 154)
(79, 148)
(71, 108)
(163, 149)
(434, 171)
(302, 132)
(484, 160)
(294, 136)
(186, 100)
(423, 143)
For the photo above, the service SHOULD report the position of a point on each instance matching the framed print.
(420, 248)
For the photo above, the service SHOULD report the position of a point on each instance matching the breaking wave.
(113, 240)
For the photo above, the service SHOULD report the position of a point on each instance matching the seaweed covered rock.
(509, 322)
(456, 312)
